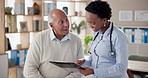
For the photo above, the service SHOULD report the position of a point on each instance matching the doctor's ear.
(105, 21)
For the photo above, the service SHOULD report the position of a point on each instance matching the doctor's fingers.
(85, 72)
(79, 62)
(82, 71)
(89, 70)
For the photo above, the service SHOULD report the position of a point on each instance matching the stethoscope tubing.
(111, 53)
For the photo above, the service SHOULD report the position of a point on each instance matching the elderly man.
(54, 44)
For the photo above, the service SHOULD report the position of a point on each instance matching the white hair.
(50, 19)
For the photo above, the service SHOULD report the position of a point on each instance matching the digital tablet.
(66, 64)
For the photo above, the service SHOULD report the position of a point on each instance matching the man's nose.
(66, 24)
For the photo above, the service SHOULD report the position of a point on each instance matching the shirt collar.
(53, 37)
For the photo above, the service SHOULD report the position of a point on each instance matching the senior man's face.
(60, 24)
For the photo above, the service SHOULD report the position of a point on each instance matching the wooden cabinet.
(2, 29)
(18, 28)
(21, 24)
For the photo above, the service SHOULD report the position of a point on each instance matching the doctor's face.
(94, 22)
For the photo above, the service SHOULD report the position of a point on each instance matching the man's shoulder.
(43, 33)
(73, 36)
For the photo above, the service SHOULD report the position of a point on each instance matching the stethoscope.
(111, 53)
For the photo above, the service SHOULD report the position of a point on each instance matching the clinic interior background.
(129, 15)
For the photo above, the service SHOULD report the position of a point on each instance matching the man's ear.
(50, 25)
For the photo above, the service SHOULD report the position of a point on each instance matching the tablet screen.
(66, 64)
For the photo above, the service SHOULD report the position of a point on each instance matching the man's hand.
(87, 71)
(80, 62)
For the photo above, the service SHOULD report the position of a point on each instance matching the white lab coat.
(105, 65)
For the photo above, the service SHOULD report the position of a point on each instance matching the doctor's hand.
(80, 62)
(87, 71)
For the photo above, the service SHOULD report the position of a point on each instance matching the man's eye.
(94, 23)
(61, 22)
(91, 23)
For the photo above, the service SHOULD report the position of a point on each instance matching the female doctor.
(108, 57)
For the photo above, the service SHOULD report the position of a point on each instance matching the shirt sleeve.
(120, 67)
(75, 74)
(33, 61)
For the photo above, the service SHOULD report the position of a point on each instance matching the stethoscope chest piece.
(112, 54)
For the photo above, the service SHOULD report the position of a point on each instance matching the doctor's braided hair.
(100, 8)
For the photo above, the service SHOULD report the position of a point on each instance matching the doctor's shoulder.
(119, 33)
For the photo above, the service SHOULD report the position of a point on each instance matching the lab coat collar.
(107, 32)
